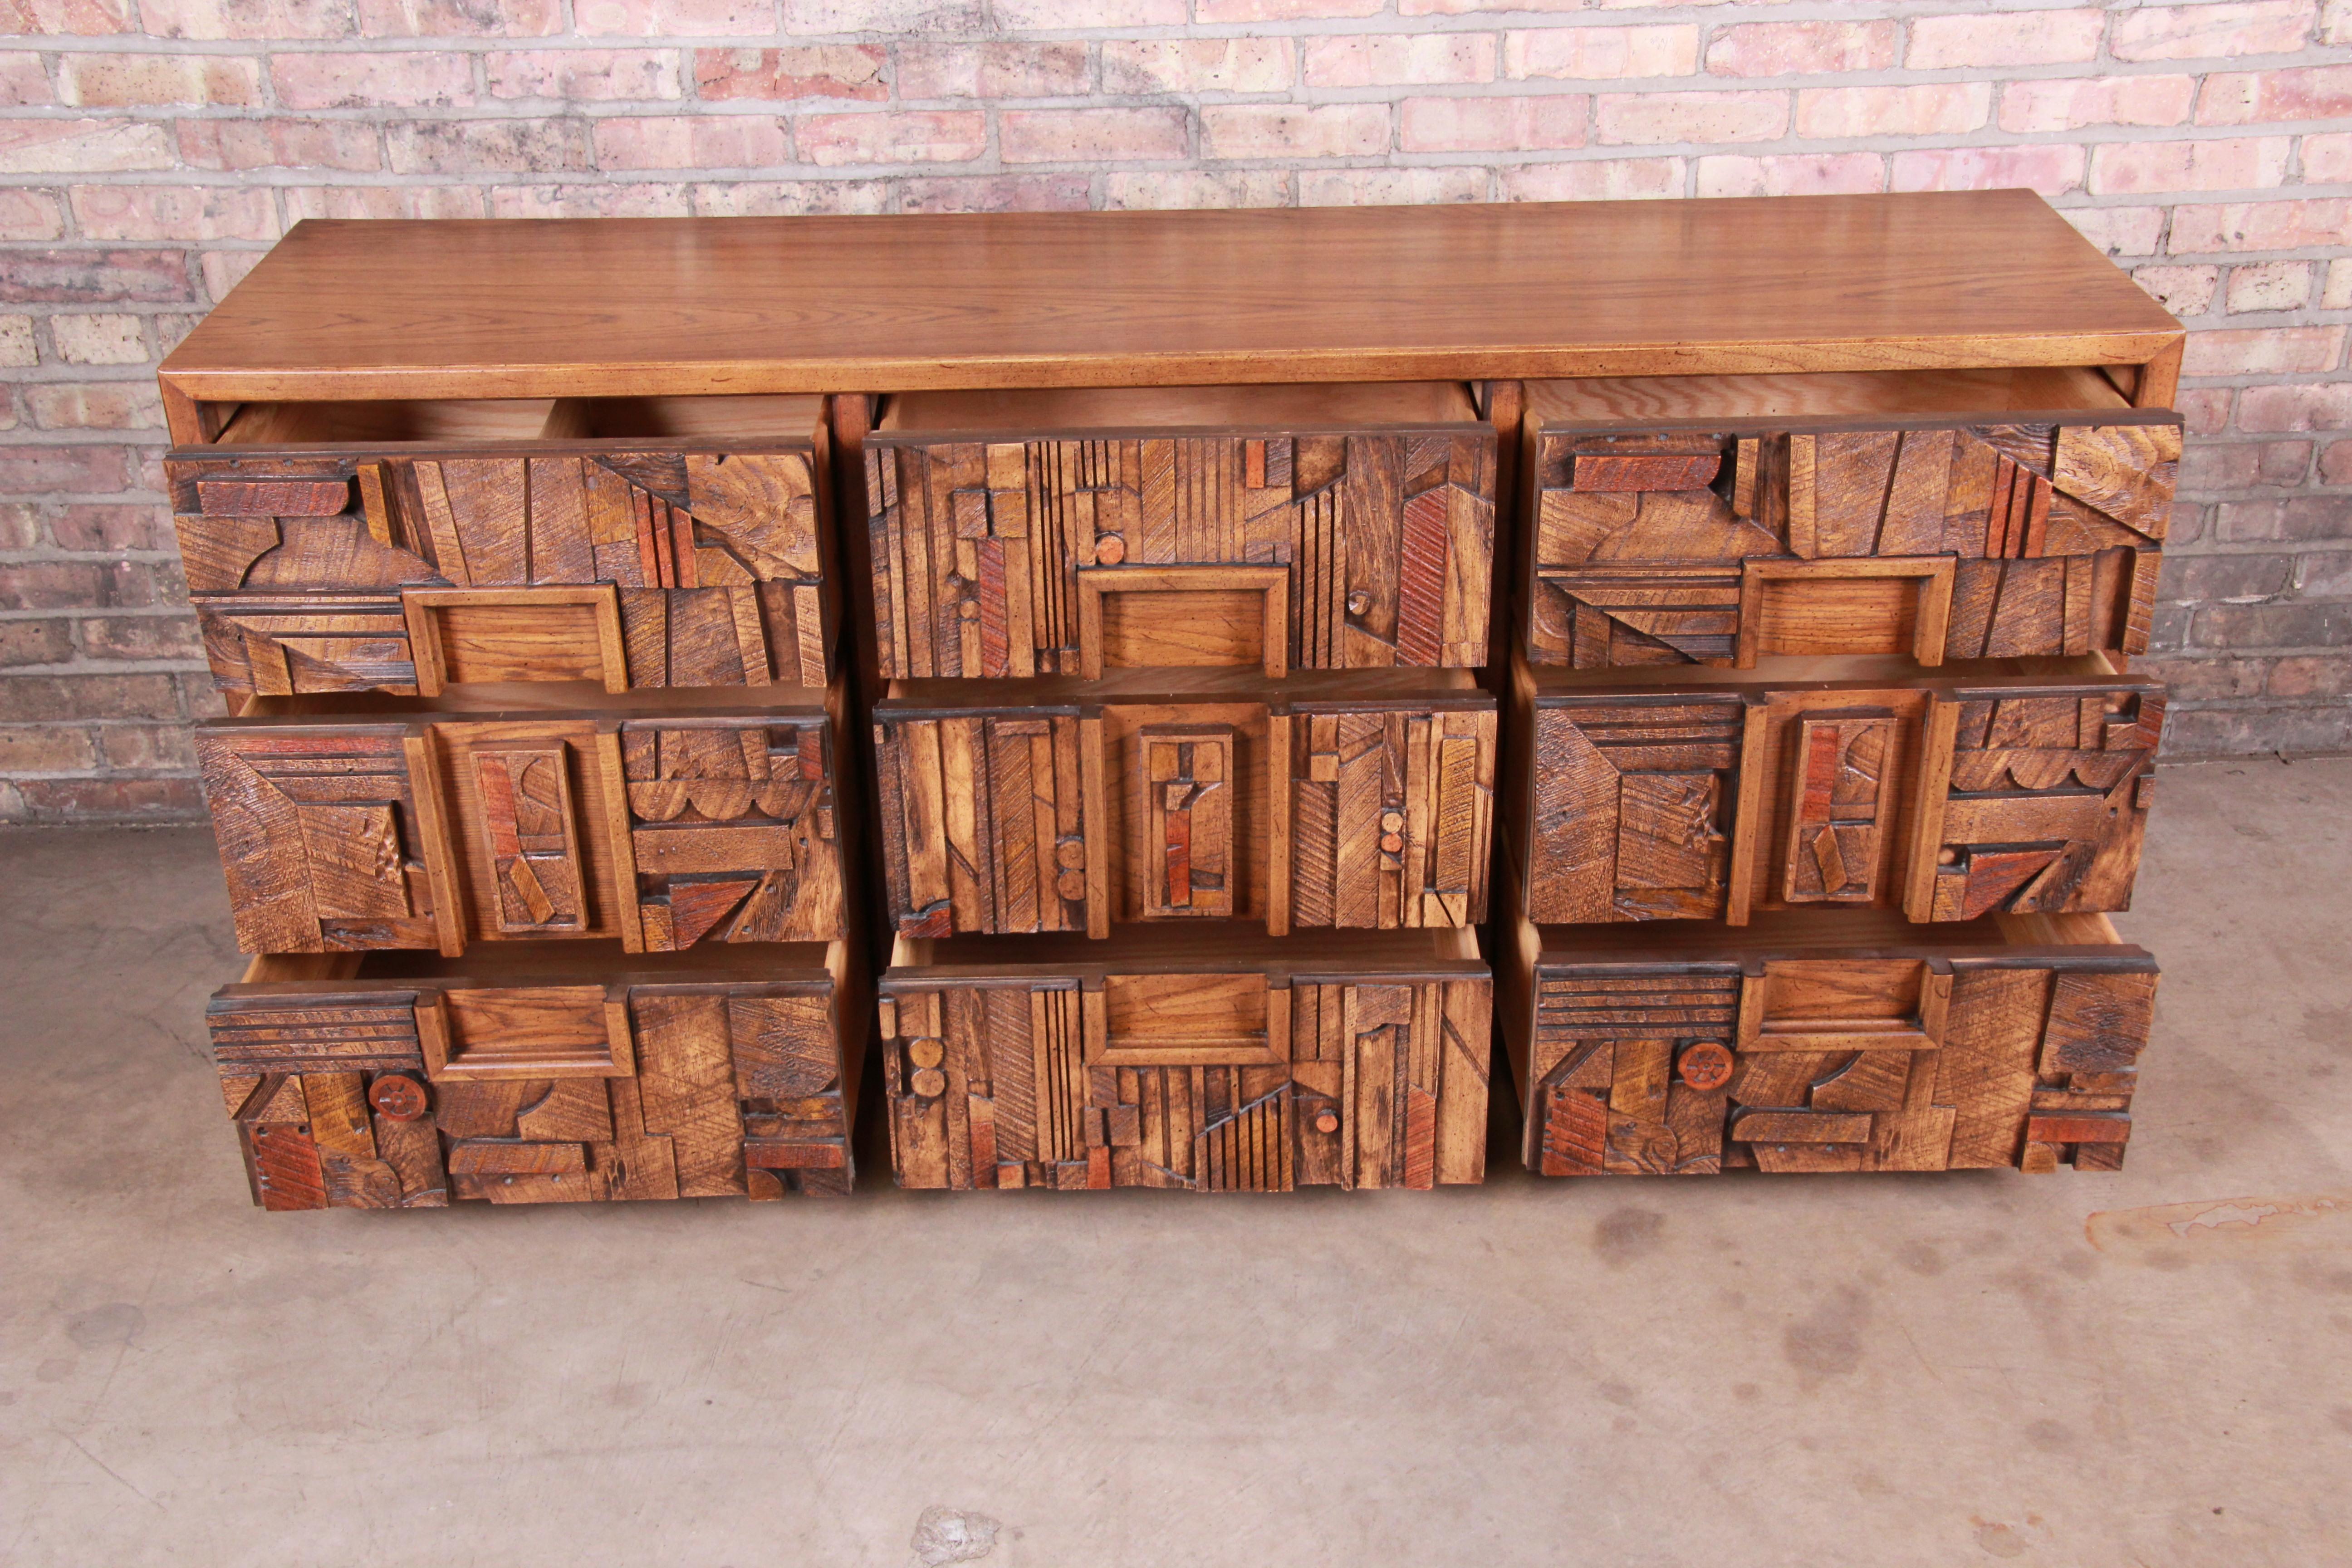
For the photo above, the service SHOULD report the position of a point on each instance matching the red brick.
(585, 74)
(693, 141)
(85, 470)
(2211, 32)
(1196, 64)
(1596, 179)
(1801, 49)
(30, 214)
(1400, 60)
(383, 201)
(777, 76)
(94, 277)
(1294, 131)
(46, 749)
(1936, 109)
(305, 19)
(36, 642)
(995, 193)
(489, 146)
(174, 212)
(1389, 187)
(2005, 39)
(25, 84)
(2204, 410)
(110, 528)
(677, 18)
(225, 270)
(1281, 10)
(1793, 174)
(148, 748)
(1091, 136)
(84, 18)
(37, 699)
(113, 799)
(2265, 351)
(993, 69)
(635, 200)
(142, 82)
(2261, 226)
(898, 17)
(1655, 117)
(2129, 168)
(2119, 231)
(95, 405)
(345, 145)
(422, 79)
(2336, 463)
(2327, 160)
(773, 198)
(1015, 15)
(2328, 407)
(1493, 124)
(2047, 169)
(82, 147)
(929, 136)
(2072, 103)
(140, 636)
(2249, 97)
(2191, 680)
(2301, 674)
(2286, 462)
(1583, 54)
(459, 19)
(1165, 189)
(2270, 286)
(2183, 290)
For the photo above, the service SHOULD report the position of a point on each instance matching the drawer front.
(1322, 551)
(1937, 540)
(350, 571)
(1835, 1063)
(374, 1095)
(1216, 1082)
(1373, 818)
(439, 834)
(1943, 800)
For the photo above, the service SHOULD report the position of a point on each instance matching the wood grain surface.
(655, 306)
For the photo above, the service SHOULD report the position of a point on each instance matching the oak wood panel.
(386, 1080)
(819, 304)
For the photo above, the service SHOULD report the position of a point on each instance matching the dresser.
(1151, 697)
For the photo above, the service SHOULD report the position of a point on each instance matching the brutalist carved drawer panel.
(1322, 528)
(1947, 798)
(1246, 800)
(1716, 542)
(345, 548)
(438, 828)
(2011, 1041)
(1362, 1065)
(383, 1085)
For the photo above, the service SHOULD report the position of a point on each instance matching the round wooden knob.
(397, 1097)
(1326, 1121)
(931, 1083)
(1071, 885)
(1109, 549)
(1392, 822)
(1070, 854)
(1705, 1066)
(1392, 843)
(926, 1051)
(968, 610)
(1947, 856)
(1358, 602)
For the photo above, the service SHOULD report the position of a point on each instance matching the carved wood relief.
(1292, 815)
(710, 560)
(1715, 546)
(1946, 801)
(1219, 1082)
(434, 833)
(1835, 1064)
(381, 1095)
(1386, 538)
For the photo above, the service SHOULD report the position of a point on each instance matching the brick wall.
(151, 150)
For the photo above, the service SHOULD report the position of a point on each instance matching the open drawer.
(659, 820)
(1841, 1040)
(1940, 515)
(1018, 534)
(1358, 799)
(2016, 785)
(1195, 1058)
(552, 1073)
(408, 546)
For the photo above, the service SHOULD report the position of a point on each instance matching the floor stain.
(116, 1324)
(944, 1535)
(2170, 1235)
(1624, 1235)
(1827, 1342)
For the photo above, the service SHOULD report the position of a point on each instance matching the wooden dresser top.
(653, 306)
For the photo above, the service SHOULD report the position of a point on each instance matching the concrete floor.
(2148, 1368)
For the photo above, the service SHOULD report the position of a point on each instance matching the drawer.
(409, 546)
(659, 820)
(1738, 517)
(1980, 790)
(1836, 1041)
(553, 1074)
(1016, 534)
(1187, 1059)
(1355, 800)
